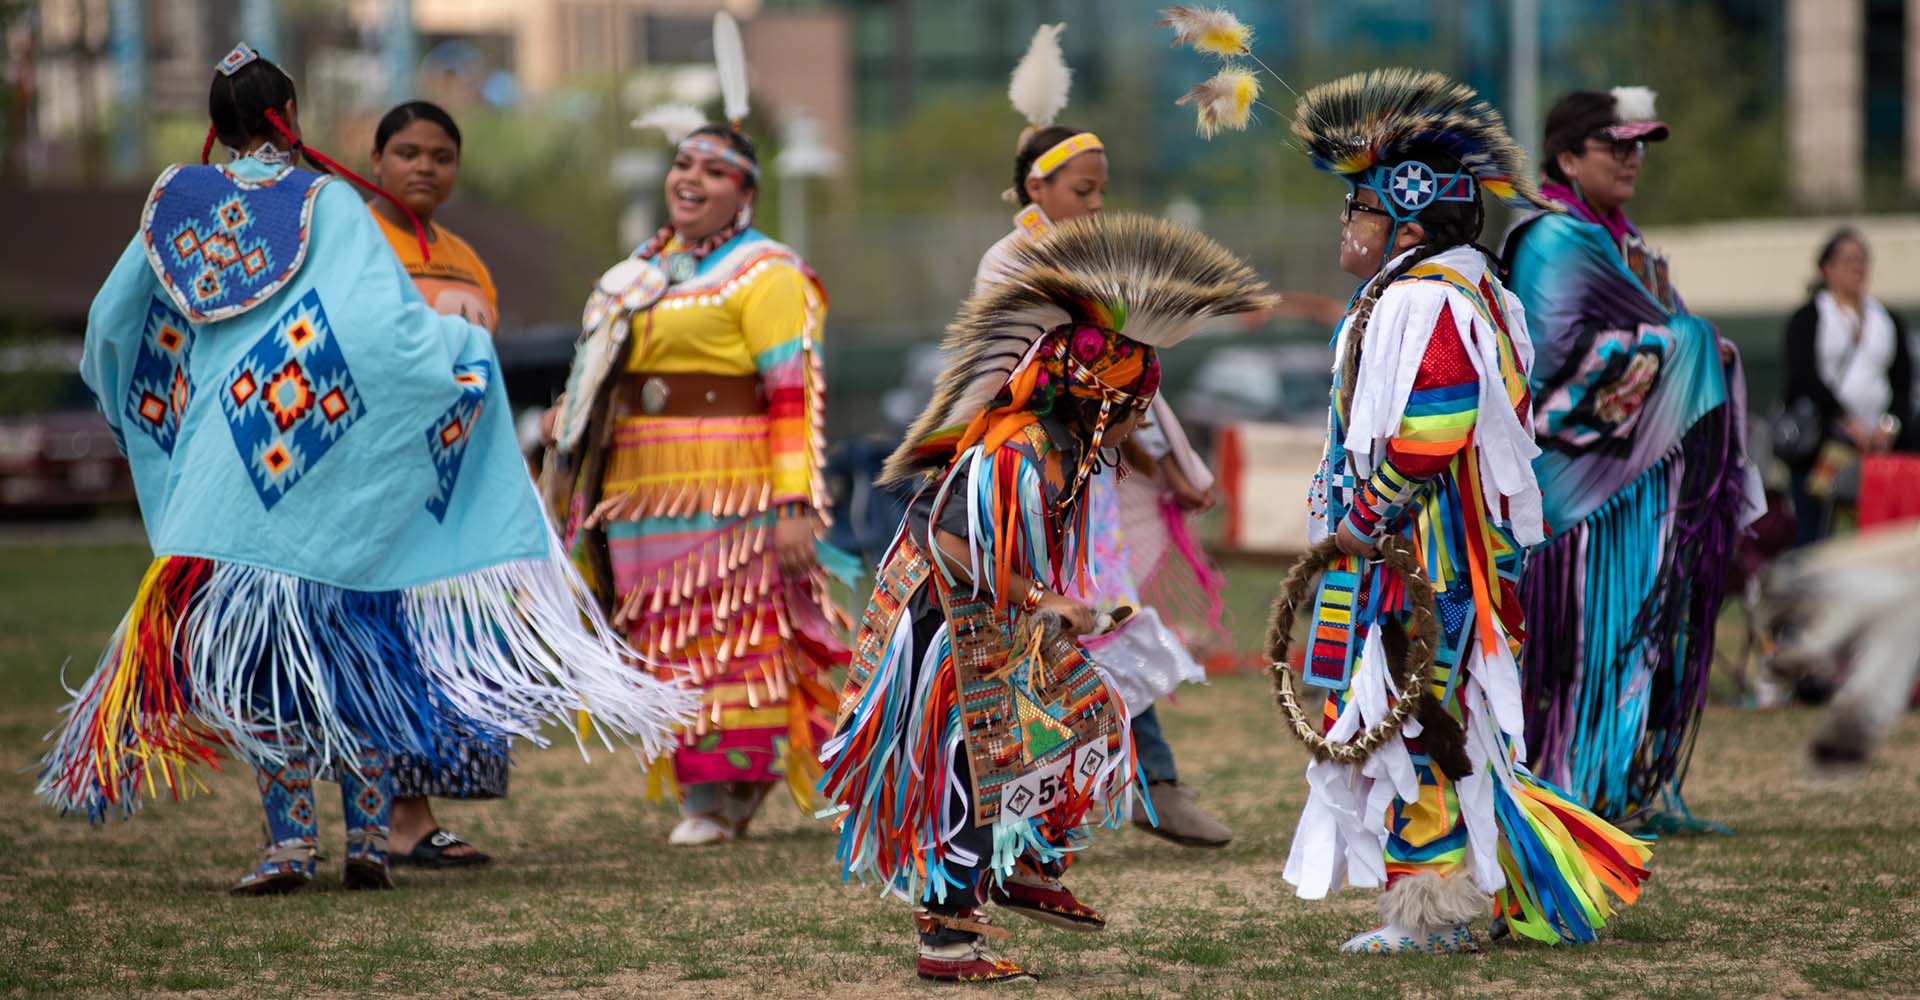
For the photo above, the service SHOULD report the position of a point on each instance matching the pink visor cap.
(1646, 131)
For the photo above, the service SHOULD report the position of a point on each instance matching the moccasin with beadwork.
(1047, 901)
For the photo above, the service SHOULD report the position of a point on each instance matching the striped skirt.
(698, 586)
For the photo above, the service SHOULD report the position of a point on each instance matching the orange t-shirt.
(454, 282)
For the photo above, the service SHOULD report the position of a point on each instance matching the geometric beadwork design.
(1330, 662)
(289, 399)
(287, 794)
(162, 386)
(1412, 185)
(221, 245)
(447, 437)
(369, 801)
(241, 55)
(301, 811)
(1043, 726)
(368, 805)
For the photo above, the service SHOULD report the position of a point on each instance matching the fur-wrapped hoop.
(1153, 281)
(1423, 637)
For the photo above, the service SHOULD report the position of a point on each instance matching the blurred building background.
(1788, 116)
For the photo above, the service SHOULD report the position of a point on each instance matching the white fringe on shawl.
(512, 647)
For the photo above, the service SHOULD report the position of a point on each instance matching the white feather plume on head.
(675, 121)
(1633, 104)
(1039, 85)
(730, 60)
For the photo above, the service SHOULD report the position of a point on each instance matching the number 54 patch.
(1048, 785)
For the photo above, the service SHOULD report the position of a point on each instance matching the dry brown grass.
(1811, 896)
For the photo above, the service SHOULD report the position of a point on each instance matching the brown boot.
(1181, 818)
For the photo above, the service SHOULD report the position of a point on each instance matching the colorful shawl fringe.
(217, 655)
(1645, 480)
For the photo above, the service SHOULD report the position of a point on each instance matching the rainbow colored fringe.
(1558, 860)
(216, 655)
(892, 768)
(1044, 548)
(1561, 861)
(895, 773)
(899, 768)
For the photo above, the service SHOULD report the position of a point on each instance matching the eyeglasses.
(1622, 149)
(1355, 205)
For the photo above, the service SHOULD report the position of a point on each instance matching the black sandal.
(431, 852)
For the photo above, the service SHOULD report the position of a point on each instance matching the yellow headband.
(1068, 148)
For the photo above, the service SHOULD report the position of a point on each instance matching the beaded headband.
(1066, 149)
(1408, 187)
(709, 146)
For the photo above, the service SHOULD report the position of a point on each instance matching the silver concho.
(653, 396)
(680, 267)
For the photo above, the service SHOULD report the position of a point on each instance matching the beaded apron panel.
(1024, 705)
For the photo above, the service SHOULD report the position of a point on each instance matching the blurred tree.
(945, 154)
(549, 164)
(1725, 158)
(16, 74)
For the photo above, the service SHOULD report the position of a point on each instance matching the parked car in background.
(57, 454)
(919, 369)
(534, 364)
(1272, 384)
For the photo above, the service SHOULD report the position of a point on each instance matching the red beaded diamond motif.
(447, 438)
(289, 399)
(162, 385)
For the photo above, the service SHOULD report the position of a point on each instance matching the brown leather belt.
(687, 394)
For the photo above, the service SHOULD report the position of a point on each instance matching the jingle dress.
(686, 557)
(1433, 447)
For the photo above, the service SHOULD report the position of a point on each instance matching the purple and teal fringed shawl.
(1644, 481)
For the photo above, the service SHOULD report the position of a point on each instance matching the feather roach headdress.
(1149, 281)
(1364, 126)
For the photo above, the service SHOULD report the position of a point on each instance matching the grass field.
(1813, 896)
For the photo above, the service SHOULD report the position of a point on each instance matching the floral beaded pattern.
(1392, 941)
(1093, 363)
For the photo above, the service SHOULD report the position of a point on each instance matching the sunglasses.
(1622, 149)
(1355, 205)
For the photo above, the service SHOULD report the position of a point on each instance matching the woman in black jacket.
(1848, 366)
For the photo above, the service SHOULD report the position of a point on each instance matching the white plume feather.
(675, 121)
(1038, 88)
(730, 59)
(1633, 104)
